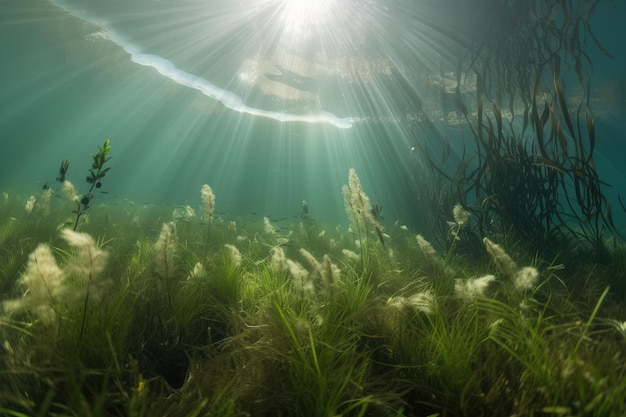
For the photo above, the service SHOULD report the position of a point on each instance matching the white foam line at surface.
(227, 98)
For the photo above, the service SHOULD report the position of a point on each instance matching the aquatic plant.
(506, 266)
(530, 169)
(96, 173)
(165, 250)
(266, 326)
(87, 265)
(46, 285)
(473, 287)
(208, 205)
(361, 214)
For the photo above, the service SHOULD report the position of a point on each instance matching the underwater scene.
(312, 208)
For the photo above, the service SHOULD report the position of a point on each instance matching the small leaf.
(64, 166)
(90, 180)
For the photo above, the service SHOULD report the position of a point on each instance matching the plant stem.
(206, 245)
(78, 214)
(82, 325)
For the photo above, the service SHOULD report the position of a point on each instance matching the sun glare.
(305, 9)
(298, 14)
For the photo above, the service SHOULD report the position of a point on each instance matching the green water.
(452, 302)
(66, 88)
(69, 81)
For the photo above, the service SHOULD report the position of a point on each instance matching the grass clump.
(154, 320)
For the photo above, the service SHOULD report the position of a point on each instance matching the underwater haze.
(268, 101)
(312, 208)
(232, 93)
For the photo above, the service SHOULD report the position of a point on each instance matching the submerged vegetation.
(152, 310)
(96, 173)
(143, 313)
(527, 169)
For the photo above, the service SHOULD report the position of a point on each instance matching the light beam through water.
(229, 99)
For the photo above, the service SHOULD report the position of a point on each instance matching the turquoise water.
(235, 94)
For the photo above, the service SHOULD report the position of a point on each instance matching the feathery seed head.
(90, 260)
(70, 192)
(208, 200)
(473, 287)
(461, 216)
(503, 261)
(525, 278)
(235, 255)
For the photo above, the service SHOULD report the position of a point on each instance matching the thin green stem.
(206, 244)
(84, 319)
